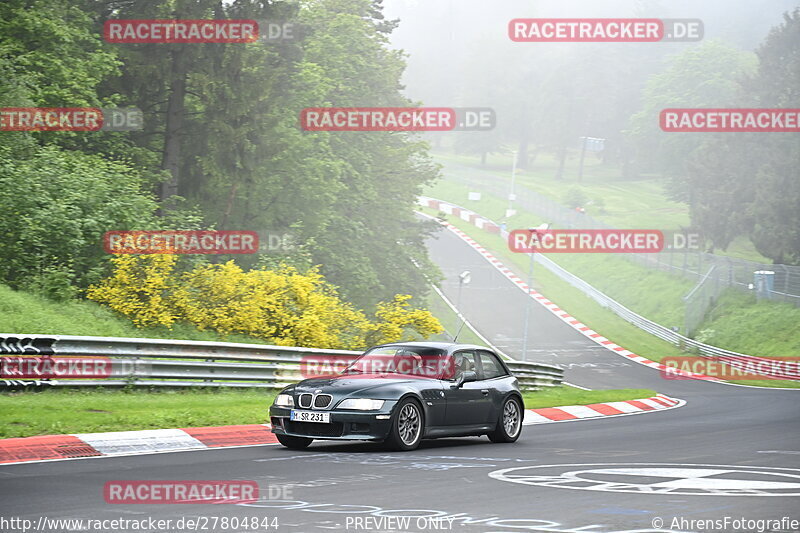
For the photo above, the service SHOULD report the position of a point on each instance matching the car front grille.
(321, 401)
(313, 429)
(304, 401)
(318, 401)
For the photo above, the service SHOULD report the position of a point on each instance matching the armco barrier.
(734, 359)
(178, 363)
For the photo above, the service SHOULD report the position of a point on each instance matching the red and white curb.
(586, 331)
(120, 443)
(568, 413)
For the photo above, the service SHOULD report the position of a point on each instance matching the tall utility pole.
(527, 310)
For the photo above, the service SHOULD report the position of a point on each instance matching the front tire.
(509, 424)
(294, 443)
(408, 424)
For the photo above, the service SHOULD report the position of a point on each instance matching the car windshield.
(409, 360)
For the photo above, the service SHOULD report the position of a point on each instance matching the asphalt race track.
(729, 452)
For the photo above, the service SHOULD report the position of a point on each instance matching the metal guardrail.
(684, 343)
(662, 332)
(178, 363)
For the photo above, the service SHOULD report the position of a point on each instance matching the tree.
(57, 205)
(50, 56)
(720, 181)
(776, 204)
(372, 178)
(749, 183)
(704, 76)
(222, 134)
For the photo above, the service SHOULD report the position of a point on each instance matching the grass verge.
(571, 299)
(623, 203)
(572, 396)
(26, 414)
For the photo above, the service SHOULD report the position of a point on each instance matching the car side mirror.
(464, 377)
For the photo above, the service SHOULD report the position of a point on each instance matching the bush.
(52, 283)
(56, 206)
(574, 197)
(140, 288)
(599, 205)
(281, 305)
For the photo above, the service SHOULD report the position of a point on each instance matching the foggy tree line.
(547, 97)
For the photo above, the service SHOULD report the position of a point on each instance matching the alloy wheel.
(511, 418)
(408, 424)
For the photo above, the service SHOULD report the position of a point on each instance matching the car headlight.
(284, 400)
(361, 404)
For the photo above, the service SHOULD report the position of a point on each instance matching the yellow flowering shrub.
(398, 321)
(290, 308)
(283, 306)
(139, 288)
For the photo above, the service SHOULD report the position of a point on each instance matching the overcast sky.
(439, 35)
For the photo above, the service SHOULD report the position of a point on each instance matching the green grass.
(628, 203)
(572, 396)
(60, 411)
(642, 203)
(23, 312)
(741, 323)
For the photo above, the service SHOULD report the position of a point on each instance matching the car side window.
(464, 361)
(492, 368)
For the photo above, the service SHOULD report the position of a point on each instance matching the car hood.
(345, 385)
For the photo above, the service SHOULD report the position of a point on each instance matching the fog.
(441, 37)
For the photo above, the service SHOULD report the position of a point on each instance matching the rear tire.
(408, 425)
(509, 423)
(294, 443)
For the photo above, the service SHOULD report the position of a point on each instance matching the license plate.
(310, 416)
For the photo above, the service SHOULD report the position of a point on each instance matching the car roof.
(448, 347)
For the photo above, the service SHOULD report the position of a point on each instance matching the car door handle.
(485, 392)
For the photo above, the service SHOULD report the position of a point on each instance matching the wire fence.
(700, 299)
(783, 283)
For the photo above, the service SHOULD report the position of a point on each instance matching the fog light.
(382, 417)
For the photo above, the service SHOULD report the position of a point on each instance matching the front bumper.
(344, 425)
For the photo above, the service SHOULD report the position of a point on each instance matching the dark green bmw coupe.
(402, 393)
